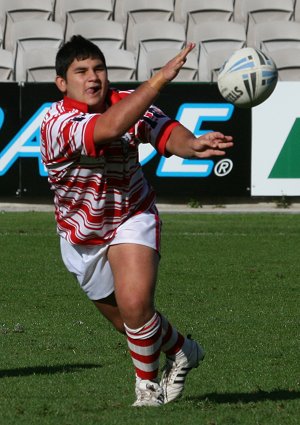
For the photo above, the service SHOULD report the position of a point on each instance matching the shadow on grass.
(258, 396)
(45, 370)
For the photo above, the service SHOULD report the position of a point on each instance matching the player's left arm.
(183, 143)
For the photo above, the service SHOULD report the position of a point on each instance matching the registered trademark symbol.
(223, 167)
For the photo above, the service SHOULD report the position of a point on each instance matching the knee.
(119, 326)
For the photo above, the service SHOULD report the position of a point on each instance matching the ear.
(61, 84)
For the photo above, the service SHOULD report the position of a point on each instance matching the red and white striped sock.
(172, 340)
(145, 345)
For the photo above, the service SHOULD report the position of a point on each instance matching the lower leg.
(145, 344)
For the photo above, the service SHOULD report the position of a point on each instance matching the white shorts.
(89, 263)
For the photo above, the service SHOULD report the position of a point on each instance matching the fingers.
(212, 144)
(183, 54)
(217, 138)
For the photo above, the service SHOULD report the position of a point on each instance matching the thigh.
(134, 269)
(90, 266)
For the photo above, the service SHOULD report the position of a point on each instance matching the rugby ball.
(247, 78)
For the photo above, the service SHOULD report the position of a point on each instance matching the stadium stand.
(270, 36)
(121, 65)
(69, 11)
(6, 65)
(152, 35)
(108, 34)
(39, 65)
(297, 10)
(132, 12)
(155, 59)
(268, 24)
(214, 62)
(32, 34)
(13, 11)
(260, 11)
(209, 38)
(288, 63)
(193, 12)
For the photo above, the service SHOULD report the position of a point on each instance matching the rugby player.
(107, 221)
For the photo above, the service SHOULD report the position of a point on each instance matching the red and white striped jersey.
(96, 188)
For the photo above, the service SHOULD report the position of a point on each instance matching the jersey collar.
(111, 98)
(70, 103)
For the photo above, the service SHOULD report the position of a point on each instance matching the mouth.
(93, 90)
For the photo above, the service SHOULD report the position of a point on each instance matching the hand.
(172, 68)
(169, 71)
(211, 144)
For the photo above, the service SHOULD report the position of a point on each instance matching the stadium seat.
(297, 11)
(69, 11)
(270, 36)
(193, 12)
(107, 34)
(6, 65)
(223, 36)
(153, 36)
(13, 11)
(132, 12)
(288, 63)
(121, 65)
(1, 37)
(32, 34)
(39, 65)
(214, 62)
(253, 12)
(156, 59)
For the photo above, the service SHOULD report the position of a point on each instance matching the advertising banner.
(275, 169)
(198, 106)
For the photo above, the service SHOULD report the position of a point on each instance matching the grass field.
(232, 281)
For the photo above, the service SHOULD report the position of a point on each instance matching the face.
(86, 81)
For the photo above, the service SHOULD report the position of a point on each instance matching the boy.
(105, 210)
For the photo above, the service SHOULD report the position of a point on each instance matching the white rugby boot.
(148, 393)
(177, 367)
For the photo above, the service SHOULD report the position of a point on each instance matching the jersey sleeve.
(155, 128)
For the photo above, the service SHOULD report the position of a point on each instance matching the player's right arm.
(113, 123)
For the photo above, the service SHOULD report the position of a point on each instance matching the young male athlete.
(105, 210)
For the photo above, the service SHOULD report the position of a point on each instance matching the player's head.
(78, 48)
(82, 73)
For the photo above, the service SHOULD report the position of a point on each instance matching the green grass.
(232, 281)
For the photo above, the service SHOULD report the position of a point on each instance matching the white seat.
(156, 59)
(132, 12)
(153, 36)
(69, 11)
(19, 10)
(270, 36)
(215, 61)
(107, 34)
(6, 65)
(194, 12)
(259, 11)
(39, 65)
(1, 36)
(263, 10)
(210, 38)
(121, 65)
(297, 11)
(33, 34)
(223, 35)
(288, 63)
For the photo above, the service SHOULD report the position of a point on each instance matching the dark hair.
(78, 48)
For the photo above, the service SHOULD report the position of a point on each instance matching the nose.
(92, 75)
